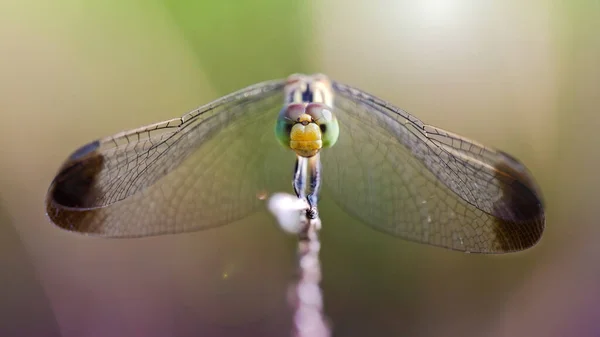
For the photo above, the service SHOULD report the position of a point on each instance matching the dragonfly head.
(306, 128)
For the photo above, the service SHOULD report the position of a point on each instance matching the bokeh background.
(523, 76)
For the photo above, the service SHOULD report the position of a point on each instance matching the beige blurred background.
(520, 76)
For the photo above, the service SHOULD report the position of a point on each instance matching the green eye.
(330, 130)
(283, 128)
(285, 121)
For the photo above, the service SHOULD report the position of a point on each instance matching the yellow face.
(305, 137)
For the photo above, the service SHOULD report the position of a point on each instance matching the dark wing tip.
(520, 210)
(74, 189)
(75, 184)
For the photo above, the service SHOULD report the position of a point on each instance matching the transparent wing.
(424, 184)
(202, 170)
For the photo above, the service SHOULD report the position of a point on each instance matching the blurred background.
(523, 76)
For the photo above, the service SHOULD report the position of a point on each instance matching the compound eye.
(318, 111)
(322, 115)
(288, 116)
(292, 112)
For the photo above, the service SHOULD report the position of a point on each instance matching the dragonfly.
(383, 166)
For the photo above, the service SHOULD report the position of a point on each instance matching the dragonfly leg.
(299, 180)
(315, 185)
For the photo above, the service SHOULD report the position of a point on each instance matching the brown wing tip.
(73, 220)
(75, 184)
(520, 210)
(74, 189)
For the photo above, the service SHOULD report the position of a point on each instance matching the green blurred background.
(523, 76)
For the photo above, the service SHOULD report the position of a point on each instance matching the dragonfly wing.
(202, 170)
(424, 184)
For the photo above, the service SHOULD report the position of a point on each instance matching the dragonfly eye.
(288, 116)
(327, 122)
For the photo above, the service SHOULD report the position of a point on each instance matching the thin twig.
(305, 295)
(307, 299)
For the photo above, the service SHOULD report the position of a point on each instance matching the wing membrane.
(185, 174)
(388, 169)
(424, 184)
